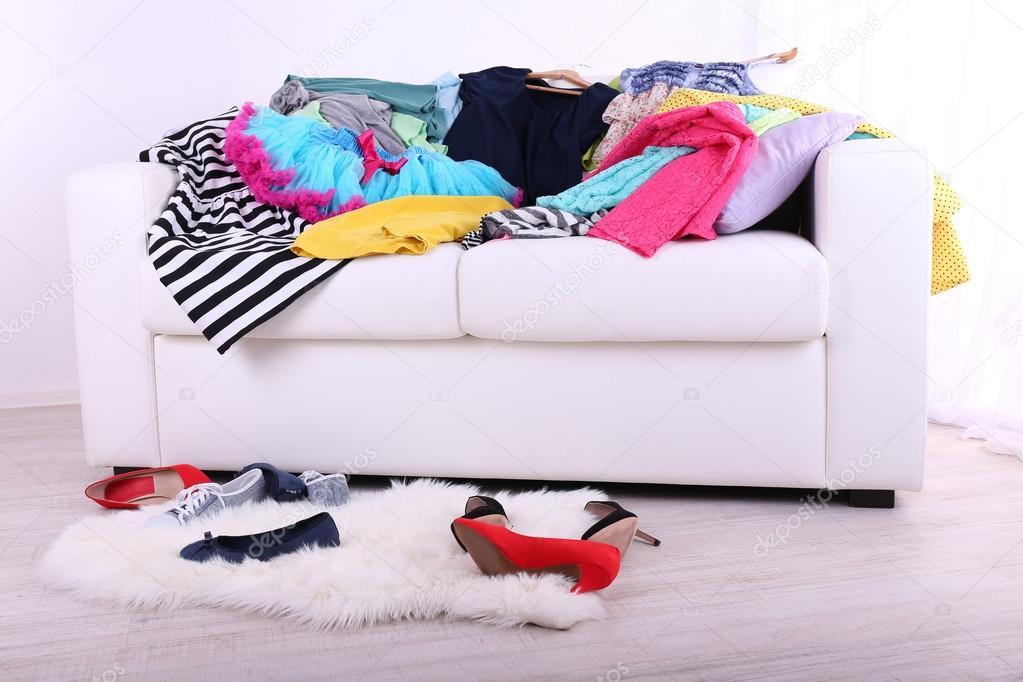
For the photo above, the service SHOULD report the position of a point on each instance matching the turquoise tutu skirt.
(300, 164)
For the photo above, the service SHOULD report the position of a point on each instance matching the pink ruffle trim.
(256, 169)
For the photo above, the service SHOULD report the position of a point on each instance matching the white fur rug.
(397, 560)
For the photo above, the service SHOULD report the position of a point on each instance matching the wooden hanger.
(777, 57)
(569, 75)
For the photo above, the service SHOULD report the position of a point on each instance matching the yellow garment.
(948, 263)
(409, 224)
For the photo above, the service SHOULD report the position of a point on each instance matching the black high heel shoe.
(616, 526)
(485, 510)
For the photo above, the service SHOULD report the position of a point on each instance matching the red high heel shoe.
(134, 489)
(592, 562)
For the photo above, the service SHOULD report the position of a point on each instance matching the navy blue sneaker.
(318, 530)
(280, 485)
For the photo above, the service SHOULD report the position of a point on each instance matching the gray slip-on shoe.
(329, 490)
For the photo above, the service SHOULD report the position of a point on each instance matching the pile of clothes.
(273, 199)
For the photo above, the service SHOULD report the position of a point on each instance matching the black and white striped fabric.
(225, 257)
(531, 222)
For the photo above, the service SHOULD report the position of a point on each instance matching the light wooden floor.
(930, 590)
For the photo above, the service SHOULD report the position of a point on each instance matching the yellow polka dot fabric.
(948, 268)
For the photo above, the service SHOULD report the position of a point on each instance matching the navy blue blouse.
(534, 139)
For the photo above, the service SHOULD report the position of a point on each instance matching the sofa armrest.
(109, 210)
(871, 219)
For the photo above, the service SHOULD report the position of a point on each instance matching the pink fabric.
(686, 196)
(371, 160)
(517, 199)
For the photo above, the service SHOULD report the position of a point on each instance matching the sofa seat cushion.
(757, 285)
(376, 297)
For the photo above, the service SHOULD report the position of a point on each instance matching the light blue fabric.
(324, 158)
(752, 112)
(613, 185)
(448, 101)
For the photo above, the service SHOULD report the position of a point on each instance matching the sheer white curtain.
(943, 75)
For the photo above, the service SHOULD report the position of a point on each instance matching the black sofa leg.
(873, 499)
(123, 470)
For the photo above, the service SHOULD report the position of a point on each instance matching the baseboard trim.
(57, 396)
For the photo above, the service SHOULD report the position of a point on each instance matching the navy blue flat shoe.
(280, 485)
(318, 530)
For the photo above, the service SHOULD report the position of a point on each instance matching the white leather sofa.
(759, 359)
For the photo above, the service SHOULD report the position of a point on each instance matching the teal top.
(416, 100)
(610, 187)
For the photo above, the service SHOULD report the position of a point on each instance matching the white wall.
(89, 83)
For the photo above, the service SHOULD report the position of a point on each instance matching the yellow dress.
(409, 225)
(948, 262)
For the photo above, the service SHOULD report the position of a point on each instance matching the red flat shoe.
(145, 486)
